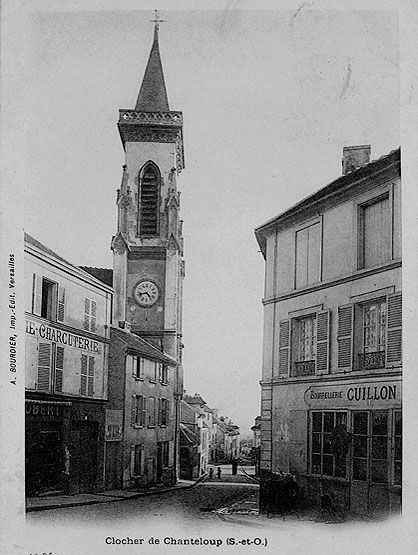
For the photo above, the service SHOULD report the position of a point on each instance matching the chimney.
(355, 157)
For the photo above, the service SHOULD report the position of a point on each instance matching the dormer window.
(149, 194)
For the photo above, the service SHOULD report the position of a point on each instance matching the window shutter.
(61, 304)
(160, 371)
(93, 316)
(91, 377)
(394, 330)
(37, 295)
(133, 410)
(284, 340)
(83, 382)
(44, 366)
(59, 368)
(86, 324)
(159, 411)
(144, 412)
(322, 341)
(345, 338)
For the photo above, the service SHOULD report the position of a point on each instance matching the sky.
(269, 99)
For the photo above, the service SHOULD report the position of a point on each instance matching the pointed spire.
(153, 94)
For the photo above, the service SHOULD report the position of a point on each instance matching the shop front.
(354, 443)
(63, 446)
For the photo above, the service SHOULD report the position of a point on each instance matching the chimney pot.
(355, 157)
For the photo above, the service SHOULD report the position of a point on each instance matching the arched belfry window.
(149, 193)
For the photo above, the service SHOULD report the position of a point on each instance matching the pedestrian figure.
(210, 473)
(66, 472)
(219, 472)
(234, 467)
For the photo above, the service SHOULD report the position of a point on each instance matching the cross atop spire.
(157, 22)
(153, 95)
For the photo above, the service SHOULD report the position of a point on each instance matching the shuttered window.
(61, 304)
(59, 368)
(139, 410)
(84, 375)
(90, 380)
(90, 315)
(164, 373)
(322, 341)
(375, 226)
(149, 185)
(44, 367)
(151, 411)
(163, 412)
(37, 294)
(308, 255)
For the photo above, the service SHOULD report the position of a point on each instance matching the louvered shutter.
(133, 410)
(284, 340)
(90, 381)
(93, 316)
(59, 369)
(144, 412)
(394, 330)
(44, 366)
(322, 341)
(61, 304)
(37, 295)
(159, 412)
(83, 379)
(86, 324)
(345, 338)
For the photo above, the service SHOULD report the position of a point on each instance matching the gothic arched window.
(149, 193)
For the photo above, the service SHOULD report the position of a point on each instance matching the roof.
(140, 346)
(153, 94)
(102, 274)
(31, 241)
(194, 400)
(338, 185)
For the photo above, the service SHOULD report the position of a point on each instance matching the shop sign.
(44, 409)
(359, 394)
(63, 337)
(113, 425)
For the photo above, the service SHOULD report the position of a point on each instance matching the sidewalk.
(61, 501)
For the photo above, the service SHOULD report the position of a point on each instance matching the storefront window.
(370, 446)
(397, 479)
(329, 443)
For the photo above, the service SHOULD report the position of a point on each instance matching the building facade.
(67, 342)
(141, 419)
(331, 386)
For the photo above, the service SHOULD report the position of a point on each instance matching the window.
(90, 313)
(87, 375)
(48, 299)
(371, 330)
(308, 255)
(397, 455)
(329, 444)
(44, 366)
(137, 364)
(305, 347)
(151, 411)
(139, 410)
(138, 455)
(149, 191)
(164, 412)
(375, 233)
(154, 371)
(370, 446)
(309, 344)
(165, 452)
(164, 376)
(374, 336)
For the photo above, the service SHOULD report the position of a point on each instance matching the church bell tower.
(148, 265)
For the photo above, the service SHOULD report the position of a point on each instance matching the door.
(83, 455)
(159, 473)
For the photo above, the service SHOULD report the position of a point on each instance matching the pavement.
(46, 502)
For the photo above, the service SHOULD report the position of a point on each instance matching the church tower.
(148, 265)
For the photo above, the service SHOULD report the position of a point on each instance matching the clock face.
(146, 293)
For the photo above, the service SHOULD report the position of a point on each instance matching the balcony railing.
(372, 361)
(304, 368)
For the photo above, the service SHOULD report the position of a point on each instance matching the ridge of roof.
(103, 274)
(136, 342)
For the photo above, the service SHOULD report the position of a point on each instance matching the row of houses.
(331, 388)
(102, 404)
(205, 437)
